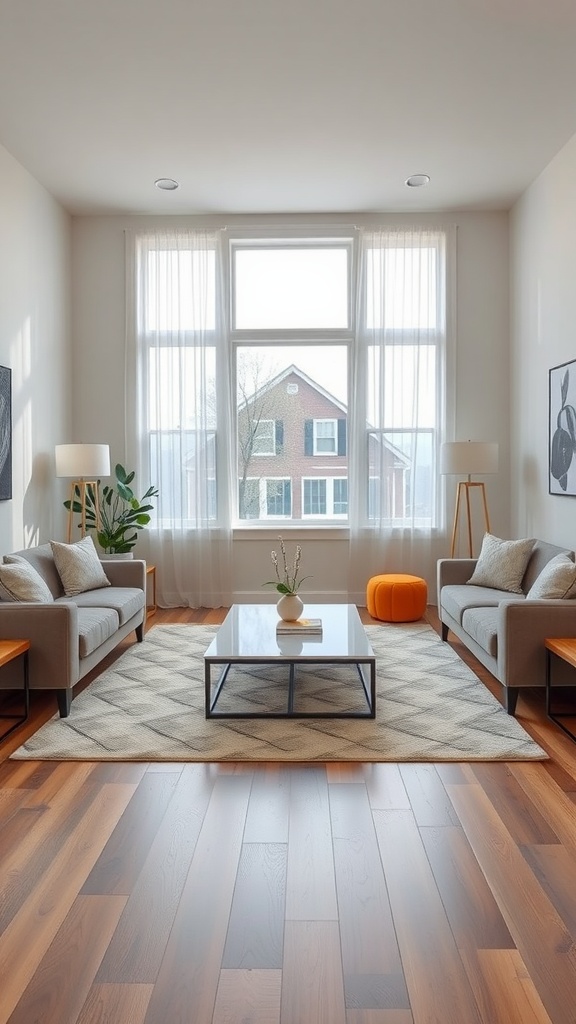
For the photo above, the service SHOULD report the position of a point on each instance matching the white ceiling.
(286, 106)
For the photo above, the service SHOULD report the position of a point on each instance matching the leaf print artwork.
(563, 442)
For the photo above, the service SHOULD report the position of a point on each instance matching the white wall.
(543, 335)
(35, 344)
(479, 400)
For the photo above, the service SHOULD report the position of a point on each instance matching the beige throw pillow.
(78, 566)
(19, 581)
(556, 581)
(502, 564)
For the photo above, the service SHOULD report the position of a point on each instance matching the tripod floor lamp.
(84, 464)
(463, 458)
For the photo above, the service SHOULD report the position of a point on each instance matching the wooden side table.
(565, 649)
(151, 608)
(9, 650)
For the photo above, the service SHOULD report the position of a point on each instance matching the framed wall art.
(562, 429)
(5, 433)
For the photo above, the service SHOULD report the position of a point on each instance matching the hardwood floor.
(289, 894)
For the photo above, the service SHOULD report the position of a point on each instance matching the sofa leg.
(444, 630)
(64, 698)
(510, 699)
(140, 632)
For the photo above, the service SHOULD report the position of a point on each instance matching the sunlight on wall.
(21, 362)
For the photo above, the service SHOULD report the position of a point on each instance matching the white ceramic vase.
(290, 607)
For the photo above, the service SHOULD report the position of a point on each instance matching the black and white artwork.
(5, 433)
(562, 429)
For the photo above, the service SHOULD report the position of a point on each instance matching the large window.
(286, 320)
(290, 334)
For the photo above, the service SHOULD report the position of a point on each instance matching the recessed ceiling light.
(417, 180)
(168, 184)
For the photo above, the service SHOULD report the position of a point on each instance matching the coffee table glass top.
(249, 633)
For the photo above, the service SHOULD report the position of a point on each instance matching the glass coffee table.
(247, 637)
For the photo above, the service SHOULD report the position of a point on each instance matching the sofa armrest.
(523, 626)
(53, 633)
(129, 572)
(454, 571)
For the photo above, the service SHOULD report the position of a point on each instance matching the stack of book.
(310, 627)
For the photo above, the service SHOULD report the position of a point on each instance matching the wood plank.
(121, 860)
(379, 1017)
(553, 866)
(340, 771)
(312, 985)
(515, 999)
(53, 893)
(43, 832)
(367, 936)
(386, 789)
(53, 785)
(24, 774)
(520, 814)
(422, 926)
(538, 931)
(136, 950)
(121, 771)
(556, 807)
(62, 981)
(248, 997)
(428, 798)
(116, 1004)
(472, 911)
(185, 990)
(269, 806)
(311, 886)
(255, 936)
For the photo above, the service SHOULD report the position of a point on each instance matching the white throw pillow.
(78, 566)
(502, 563)
(556, 581)
(19, 581)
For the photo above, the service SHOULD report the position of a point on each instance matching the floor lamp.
(85, 464)
(462, 458)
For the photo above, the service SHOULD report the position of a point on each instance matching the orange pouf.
(396, 597)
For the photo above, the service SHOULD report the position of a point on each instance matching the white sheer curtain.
(398, 404)
(177, 408)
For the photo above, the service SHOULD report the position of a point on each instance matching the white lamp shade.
(88, 461)
(463, 458)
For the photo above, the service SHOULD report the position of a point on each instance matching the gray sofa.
(71, 635)
(504, 631)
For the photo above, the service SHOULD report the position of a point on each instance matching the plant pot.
(290, 607)
(116, 555)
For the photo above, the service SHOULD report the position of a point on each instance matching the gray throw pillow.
(557, 581)
(19, 581)
(502, 564)
(78, 566)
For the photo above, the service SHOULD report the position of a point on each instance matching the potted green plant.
(115, 513)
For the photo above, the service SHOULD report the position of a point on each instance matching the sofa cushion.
(502, 563)
(126, 601)
(95, 626)
(456, 598)
(78, 566)
(542, 553)
(481, 624)
(557, 581)
(19, 581)
(41, 559)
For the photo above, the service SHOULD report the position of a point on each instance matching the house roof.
(293, 370)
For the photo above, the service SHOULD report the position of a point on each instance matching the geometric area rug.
(149, 706)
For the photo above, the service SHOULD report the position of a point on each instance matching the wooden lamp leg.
(464, 495)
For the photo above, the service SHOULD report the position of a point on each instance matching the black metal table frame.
(211, 701)
(558, 714)
(19, 719)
